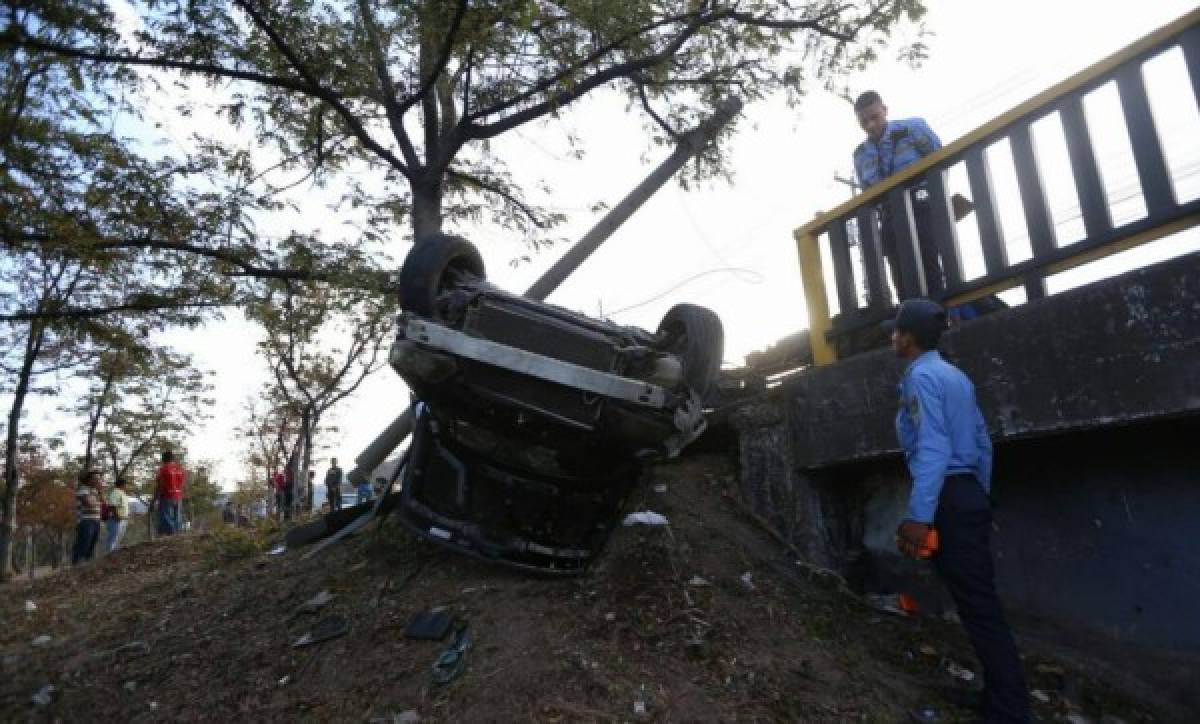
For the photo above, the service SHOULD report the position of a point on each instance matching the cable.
(755, 277)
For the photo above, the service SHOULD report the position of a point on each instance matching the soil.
(706, 619)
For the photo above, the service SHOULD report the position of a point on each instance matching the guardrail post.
(991, 234)
(878, 296)
(813, 279)
(843, 269)
(942, 222)
(1093, 202)
(1143, 136)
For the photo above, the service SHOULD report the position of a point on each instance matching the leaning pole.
(686, 148)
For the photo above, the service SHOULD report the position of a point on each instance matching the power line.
(756, 278)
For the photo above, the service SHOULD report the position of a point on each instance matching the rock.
(41, 641)
(43, 696)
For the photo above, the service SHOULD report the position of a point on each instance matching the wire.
(741, 273)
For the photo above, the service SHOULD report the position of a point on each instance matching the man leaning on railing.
(892, 146)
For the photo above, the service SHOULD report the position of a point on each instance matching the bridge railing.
(925, 183)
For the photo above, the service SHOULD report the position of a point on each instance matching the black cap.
(917, 316)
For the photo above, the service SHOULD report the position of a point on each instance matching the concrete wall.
(1121, 350)
(1091, 397)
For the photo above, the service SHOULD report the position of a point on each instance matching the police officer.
(949, 455)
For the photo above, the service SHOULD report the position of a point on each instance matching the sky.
(729, 246)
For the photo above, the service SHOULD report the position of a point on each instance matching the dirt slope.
(199, 629)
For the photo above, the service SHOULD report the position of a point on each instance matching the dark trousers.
(964, 563)
(930, 262)
(335, 496)
(87, 532)
(169, 520)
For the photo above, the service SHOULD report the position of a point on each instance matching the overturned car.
(533, 422)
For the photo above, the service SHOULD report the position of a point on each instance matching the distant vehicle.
(534, 421)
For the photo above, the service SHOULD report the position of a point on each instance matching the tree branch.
(641, 89)
(93, 312)
(394, 109)
(528, 211)
(443, 58)
(328, 96)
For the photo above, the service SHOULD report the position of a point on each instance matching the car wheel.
(696, 336)
(434, 262)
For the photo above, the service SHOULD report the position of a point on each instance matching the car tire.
(426, 269)
(696, 335)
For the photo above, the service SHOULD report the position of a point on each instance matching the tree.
(46, 502)
(320, 343)
(87, 226)
(141, 400)
(330, 84)
(202, 492)
(267, 429)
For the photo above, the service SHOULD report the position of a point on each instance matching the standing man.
(87, 516)
(279, 485)
(949, 455)
(892, 146)
(118, 521)
(333, 485)
(168, 494)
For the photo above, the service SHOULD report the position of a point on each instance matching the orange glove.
(917, 540)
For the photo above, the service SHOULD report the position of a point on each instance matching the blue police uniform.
(902, 144)
(949, 454)
(941, 431)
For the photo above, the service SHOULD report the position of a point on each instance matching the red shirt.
(280, 482)
(170, 481)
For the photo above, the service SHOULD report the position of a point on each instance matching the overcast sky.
(729, 246)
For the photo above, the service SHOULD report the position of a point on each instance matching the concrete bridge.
(1091, 394)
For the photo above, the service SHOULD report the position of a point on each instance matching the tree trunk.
(8, 524)
(94, 420)
(427, 206)
(309, 427)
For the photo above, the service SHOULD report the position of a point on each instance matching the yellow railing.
(1164, 214)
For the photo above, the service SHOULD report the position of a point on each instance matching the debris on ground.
(430, 625)
(30, 607)
(453, 660)
(316, 603)
(44, 696)
(747, 581)
(41, 641)
(330, 627)
(646, 517)
(959, 672)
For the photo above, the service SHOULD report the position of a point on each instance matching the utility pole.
(851, 182)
